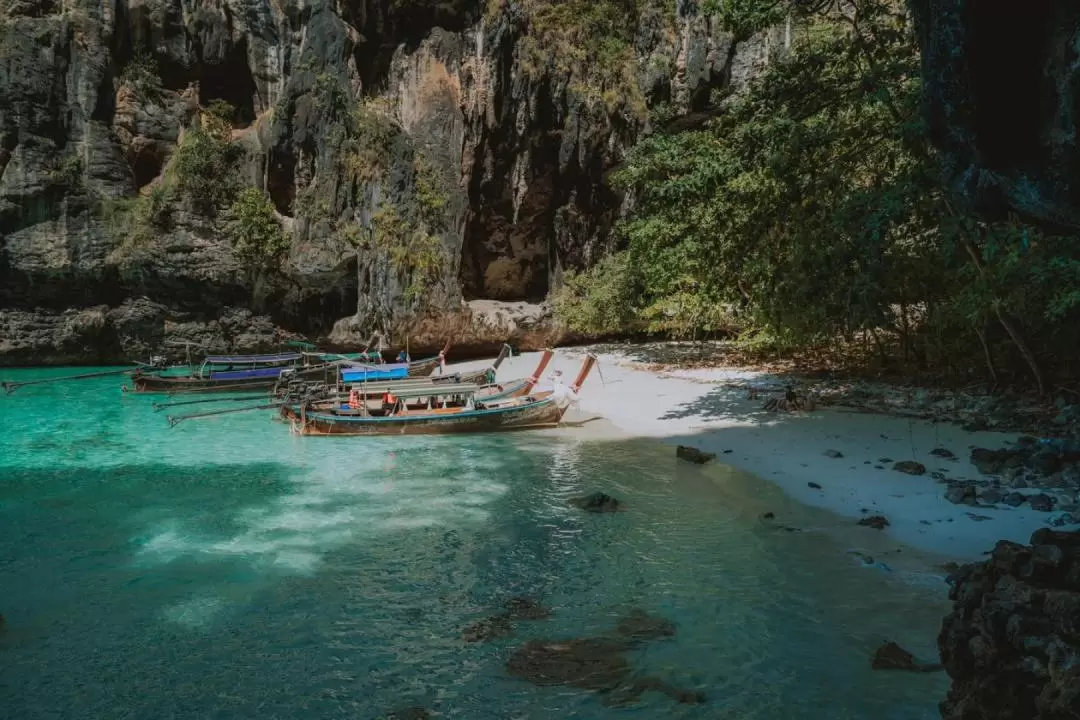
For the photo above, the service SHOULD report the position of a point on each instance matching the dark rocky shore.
(1012, 642)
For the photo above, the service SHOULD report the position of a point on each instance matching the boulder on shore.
(1012, 642)
(878, 522)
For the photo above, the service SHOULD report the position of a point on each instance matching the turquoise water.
(226, 569)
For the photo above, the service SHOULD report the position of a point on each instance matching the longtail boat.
(233, 373)
(348, 402)
(542, 410)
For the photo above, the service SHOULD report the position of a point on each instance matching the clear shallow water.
(226, 569)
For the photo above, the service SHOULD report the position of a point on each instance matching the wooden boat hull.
(423, 367)
(524, 416)
(189, 383)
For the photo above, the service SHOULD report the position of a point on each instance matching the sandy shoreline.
(789, 449)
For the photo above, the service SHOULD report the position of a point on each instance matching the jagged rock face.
(1002, 87)
(1012, 642)
(520, 152)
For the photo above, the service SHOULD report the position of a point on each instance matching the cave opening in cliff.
(231, 81)
(280, 180)
(1005, 50)
(146, 164)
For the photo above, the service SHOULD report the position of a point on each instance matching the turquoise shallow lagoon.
(226, 569)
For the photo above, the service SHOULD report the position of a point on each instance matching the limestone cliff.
(417, 154)
(1012, 642)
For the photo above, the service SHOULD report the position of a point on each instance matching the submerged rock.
(524, 608)
(410, 713)
(492, 628)
(878, 522)
(639, 625)
(834, 454)
(597, 502)
(910, 467)
(587, 663)
(595, 664)
(942, 453)
(632, 692)
(891, 656)
(693, 455)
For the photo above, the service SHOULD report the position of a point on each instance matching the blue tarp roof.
(368, 373)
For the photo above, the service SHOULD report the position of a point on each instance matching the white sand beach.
(789, 449)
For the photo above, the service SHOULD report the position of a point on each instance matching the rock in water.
(492, 628)
(891, 656)
(597, 502)
(910, 467)
(631, 693)
(639, 625)
(524, 608)
(878, 522)
(588, 663)
(1012, 641)
(693, 455)
(410, 713)
(834, 454)
(942, 453)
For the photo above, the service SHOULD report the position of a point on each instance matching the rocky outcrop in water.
(1012, 642)
(1006, 122)
(501, 625)
(600, 664)
(413, 155)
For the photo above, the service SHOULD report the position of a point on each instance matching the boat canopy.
(409, 392)
(251, 359)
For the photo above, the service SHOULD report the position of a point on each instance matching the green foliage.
(203, 167)
(134, 222)
(415, 252)
(591, 42)
(141, 75)
(219, 117)
(371, 133)
(812, 211)
(252, 227)
(600, 300)
(68, 173)
(746, 17)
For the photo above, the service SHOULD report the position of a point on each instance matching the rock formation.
(597, 502)
(1006, 123)
(434, 167)
(1012, 642)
